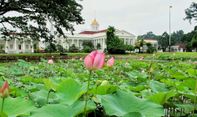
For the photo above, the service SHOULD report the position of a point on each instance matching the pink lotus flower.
(50, 61)
(4, 90)
(94, 60)
(110, 62)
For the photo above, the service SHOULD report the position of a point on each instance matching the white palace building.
(95, 35)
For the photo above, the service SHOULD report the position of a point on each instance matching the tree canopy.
(148, 35)
(191, 12)
(33, 17)
(115, 45)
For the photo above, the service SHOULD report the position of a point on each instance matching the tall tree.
(177, 37)
(115, 45)
(139, 44)
(191, 12)
(194, 39)
(164, 41)
(88, 46)
(32, 17)
(148, 35)
(110, 37)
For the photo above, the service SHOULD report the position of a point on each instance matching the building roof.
(150, 40)
(93, 32)
(181, 45)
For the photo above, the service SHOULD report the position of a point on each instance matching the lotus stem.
(2, 104)
(86, 95)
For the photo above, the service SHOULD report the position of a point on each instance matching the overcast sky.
(136, 16)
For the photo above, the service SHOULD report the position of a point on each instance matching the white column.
(23, 46)
(32, 46)
(15, 46)
(78, 43)
(6, 46)
(130, 40)
(94, 42)
(104, 44)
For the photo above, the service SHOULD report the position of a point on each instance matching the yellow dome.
(94, 22)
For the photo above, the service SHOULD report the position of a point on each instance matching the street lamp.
(170, 28)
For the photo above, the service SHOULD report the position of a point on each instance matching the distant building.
(24, 45)
(96, 36)
(153, 42)
(178, 48)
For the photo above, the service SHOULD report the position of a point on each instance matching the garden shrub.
(87, 46)
(73, 48)
(115, 45)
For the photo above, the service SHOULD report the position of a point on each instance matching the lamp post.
(170, 28)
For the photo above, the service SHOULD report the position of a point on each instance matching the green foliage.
(177, 37)
(61, 14)
(150, 49)
(115, 45)
(51, 48)
(164, 41)
(148, 35)
(17, 107)
(162, 97)
(129, 47)
(60, 110)
(139, 44)
(115, 104)
(88, 46)
(130, 88)
(194, 41)
(191, 12)
(70, 91)
(60, 48)
(73, 48)
(98, 46)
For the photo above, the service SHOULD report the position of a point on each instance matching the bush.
(114, 44)
(51, 48)
(98, 46)
(87, 49)
(129, 48)
(150, 48)
(87, 46)
(2, 51)
(73, 48)
(60, 48)
(194, 41)
(117, 46)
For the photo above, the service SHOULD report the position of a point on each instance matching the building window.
(19, 47)
(11, 46)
